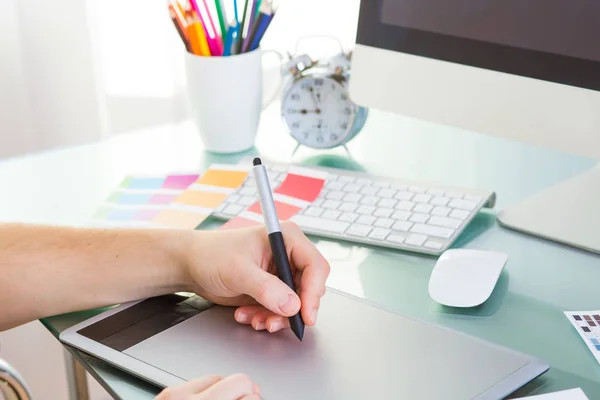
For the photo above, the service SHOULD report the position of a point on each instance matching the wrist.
(179, 244)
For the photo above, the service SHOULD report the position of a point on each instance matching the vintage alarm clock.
(316, 107)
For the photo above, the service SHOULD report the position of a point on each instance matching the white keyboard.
(373, 210)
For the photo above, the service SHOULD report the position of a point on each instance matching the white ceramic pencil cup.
(226, 98)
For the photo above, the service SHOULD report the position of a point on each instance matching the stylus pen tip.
(298, 330)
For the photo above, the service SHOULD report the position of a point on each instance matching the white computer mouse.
(464, 277)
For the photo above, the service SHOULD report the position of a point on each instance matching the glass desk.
(541, 280)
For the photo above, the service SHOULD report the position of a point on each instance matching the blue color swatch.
(144, 183)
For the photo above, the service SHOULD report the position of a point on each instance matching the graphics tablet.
(357, 350)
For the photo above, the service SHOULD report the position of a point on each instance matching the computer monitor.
(523, 70)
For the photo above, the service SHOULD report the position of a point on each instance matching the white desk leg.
(76, 378)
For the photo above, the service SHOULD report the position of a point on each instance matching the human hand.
(235, 268)
(213, 387)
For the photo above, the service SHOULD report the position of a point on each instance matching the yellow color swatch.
(228, 179)
(200, 198)
(179, 219)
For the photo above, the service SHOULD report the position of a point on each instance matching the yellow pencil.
(196, 34)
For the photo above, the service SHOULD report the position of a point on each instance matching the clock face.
(318, 112)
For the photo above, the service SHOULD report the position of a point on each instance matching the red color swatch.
(301, 187)
(284, 211)
(238, 223)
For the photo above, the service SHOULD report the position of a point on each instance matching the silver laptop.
(357, 351)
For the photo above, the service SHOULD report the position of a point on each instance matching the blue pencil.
(261, 25)
(229, 38)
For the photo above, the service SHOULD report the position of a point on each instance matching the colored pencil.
(240, 37)
(180, 26)
(253, 9)
(218, 41)
(229, 38)
(262, 24)
(198, 40)
(220, 18)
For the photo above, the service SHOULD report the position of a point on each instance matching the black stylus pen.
(267, 205)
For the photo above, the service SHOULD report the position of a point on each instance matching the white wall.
(49, 93)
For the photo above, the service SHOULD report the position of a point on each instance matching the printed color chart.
(200, 199)
(139, 199)
(587, 324)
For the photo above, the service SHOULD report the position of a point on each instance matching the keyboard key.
(441, 211)
(364, 181)
(248, 191)
(331, 214)
(417, 189)
(433, 245)
(365, 210)
(234, 198)
(405, 205)
(359, 230)
(422, 198)
(423, 208)
(249, 183)
(415, 239)
(332, 177)
(439, 201)
(352, 188)
(404, 195)
(445, 222)
(472, 198)
(399, 186)
(388, 203)
(379, 233)
(394, 238)
(313, 211)
(386, 193)
(346, 178)
(348, 217)
(432, 231)
(233, 209)
(247, 201)
(384, 222)
(381, 184)
(366, 220)
(383, 212)
(369, 190)
(317, 202)
(331, 204)
(463, 204)
(419, 218)
(454, 195)
(323, 193)
(353, 197)
(221, 207)
(335, 195)
(320, 224)
(348, 207)
(273, 176)
(435, 192)
(401, 215)
(369, 200)
(334, 185)
(403, 226)
(459, 214)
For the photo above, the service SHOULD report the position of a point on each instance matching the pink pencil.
(212, 44)
(217, 38)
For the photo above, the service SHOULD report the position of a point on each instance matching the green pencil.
(220, 17)
(257, 7)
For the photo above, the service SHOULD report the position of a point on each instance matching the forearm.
(46, 271)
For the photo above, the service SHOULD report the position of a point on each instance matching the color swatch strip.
(300, 187)
(191, 207)
(587, 324)
(139, 199)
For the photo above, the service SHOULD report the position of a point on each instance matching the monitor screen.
(554, 40)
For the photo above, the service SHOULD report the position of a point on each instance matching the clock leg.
(348, 151)
(296, 149)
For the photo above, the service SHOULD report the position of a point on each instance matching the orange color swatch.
(201, 198)
(222, 178)
(179, 219)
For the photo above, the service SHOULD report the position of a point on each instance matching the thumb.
(268, 290)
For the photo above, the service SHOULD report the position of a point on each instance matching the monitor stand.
(567, 213)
